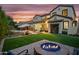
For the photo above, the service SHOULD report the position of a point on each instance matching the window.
(65, 25)
(74, 23)
(65, 12)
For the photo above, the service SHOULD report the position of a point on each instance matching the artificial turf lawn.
(21, 41)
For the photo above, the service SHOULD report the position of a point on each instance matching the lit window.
(74, 23)
(65, 12)
(66, 25)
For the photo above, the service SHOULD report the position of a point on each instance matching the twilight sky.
(25, 12)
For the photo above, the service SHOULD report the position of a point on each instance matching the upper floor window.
(65, 12)
(74, 24)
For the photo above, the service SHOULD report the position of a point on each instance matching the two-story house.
(62, 20)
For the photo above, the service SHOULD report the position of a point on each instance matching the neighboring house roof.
(24, 25)
(21, 23)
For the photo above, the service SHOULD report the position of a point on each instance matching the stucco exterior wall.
(72, 30)
(60, 27)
